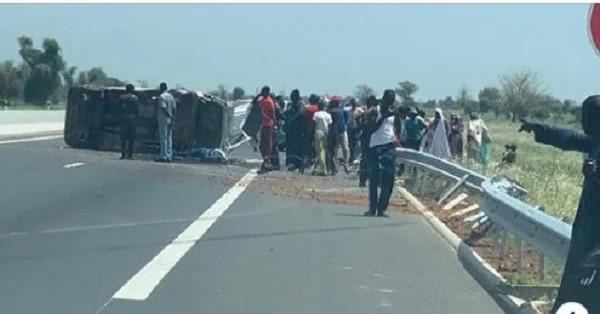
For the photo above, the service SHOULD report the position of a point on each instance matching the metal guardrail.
(441, 166)
(545, 233)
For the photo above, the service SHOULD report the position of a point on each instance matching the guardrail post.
(502, 244)
(419, 181)
(541, 258)
(541, 266)
(521, 245)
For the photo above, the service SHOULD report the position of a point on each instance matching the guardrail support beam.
(452, 189)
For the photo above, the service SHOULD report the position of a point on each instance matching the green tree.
(543, 106)
(520, 90)
(465, 102)
(46, 65)
(238, 93)
(82, 78)
(490, 99)
(97, 77)
(9, 80)
(68, 76)
(362, 92)
(447, 102)
(430, 104)
(406, 90)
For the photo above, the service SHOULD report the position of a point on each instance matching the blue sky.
(320, 48)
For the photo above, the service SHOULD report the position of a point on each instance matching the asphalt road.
(83, 232)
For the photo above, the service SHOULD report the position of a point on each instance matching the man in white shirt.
(164, 117)
(322, 121)
(381, 156)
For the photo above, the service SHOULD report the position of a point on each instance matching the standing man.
(164, 116)
(581, 276)
(295, 129)
(129, 112)
(341, 132)
(279, 143)
(413, 126)
(267, 131)
(365, 138)
(381, 156)
(323, 123)
(455, 139)
(353, 130)
(310, 111)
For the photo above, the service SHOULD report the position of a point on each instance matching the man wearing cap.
(414, 126)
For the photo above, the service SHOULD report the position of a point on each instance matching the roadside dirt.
(341, 189)
(485, 240)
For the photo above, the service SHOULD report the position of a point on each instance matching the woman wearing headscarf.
(581, 277)
(436, 138)
(295, 130)
(475, 137)
(455, 139)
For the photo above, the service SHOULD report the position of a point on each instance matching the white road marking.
(31, 139)
(141, 285)
(75, 165)
(387, 290)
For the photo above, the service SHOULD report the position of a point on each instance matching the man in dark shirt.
(365, 138)
(579, 281)
(129, 112)
(295, 132)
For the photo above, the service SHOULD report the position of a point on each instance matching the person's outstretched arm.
(563, 138)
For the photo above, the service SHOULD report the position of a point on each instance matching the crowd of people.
(312, 134)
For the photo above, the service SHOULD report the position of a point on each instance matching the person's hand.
(525, 126)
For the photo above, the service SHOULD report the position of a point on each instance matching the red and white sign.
(594, 26)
